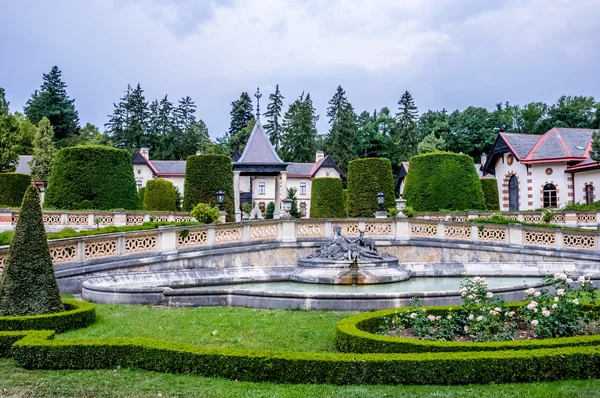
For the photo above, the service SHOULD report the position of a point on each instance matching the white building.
(549, 170)
(259, 174)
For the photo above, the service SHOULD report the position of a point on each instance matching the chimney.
(145, 152)
(320, 155)
(483, 159)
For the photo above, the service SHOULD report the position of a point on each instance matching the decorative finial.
(258, 95)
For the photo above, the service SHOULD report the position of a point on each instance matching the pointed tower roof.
(259, 155)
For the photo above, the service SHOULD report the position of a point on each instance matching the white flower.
(554, 306)
(556, 299)
(476, 279)
(532, 305)
(463, 289)
(479, 318)
(484, 281)
(530, 290)
(463, 294)
(537, 294)
(581, 279)
(471, 296)
(489, 295)
(498, 309)
(546, 313)
(437, 318)
(470, 317)
(560, 292)
(510, 314)
(560, 276)
(492, 312)
(569, 280)
(449, 317)
(466, 328)
(413, 315)
(534, 322)
(575, 301)
(535, 310)
(431, 318)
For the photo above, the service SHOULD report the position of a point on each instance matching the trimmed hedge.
(490, 193)
(327, 198)
(37, 350)
(357, 334)
(367, 177)
(443, 180)
(77, 315)
(92, 177)
(160, 195)
(204, 176)
(12, 188)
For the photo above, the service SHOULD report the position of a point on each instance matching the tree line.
(172, 131)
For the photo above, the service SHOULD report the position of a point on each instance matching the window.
(550, 196)
(303, 209)
(261, 188)
(302, 188)
(589, 194)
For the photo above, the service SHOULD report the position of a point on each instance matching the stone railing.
(568, 218)
(56, 220)
(167, 240)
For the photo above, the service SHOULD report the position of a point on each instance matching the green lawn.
(232, 327)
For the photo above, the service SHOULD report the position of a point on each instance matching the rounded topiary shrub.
(490, 193)
(160, 195)
(204, 176)
(443, 180)
(206, 214)
(92, 177)
(367, 177)
(12, 188)
(327, 198)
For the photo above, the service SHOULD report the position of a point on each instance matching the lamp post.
(380, 199)
(220, 199)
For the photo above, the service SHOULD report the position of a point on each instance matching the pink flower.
(530, 291)
(431, 318)
(489, 295)
(470, 317)
(575, 301)
(560, 292)
(546, 313)
(532, 305)
(534, 322)
(537, 294)
(479, 318)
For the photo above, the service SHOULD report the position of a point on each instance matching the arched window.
(303, 209)
(550, 196)
(513, 193)
(589, 194)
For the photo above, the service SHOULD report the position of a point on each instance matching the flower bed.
(482, 318)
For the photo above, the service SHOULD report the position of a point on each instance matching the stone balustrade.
(567, 218)
(57, 220)
(168, 239)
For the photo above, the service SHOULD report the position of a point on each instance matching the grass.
(217, 327)
(236, 328)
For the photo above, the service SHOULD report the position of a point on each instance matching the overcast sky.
(447, 53)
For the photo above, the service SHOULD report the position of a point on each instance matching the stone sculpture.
(344, 248)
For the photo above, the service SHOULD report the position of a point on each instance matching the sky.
(448, 53)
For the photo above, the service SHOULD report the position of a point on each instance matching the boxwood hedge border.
(357, 334)
(38, 350)
(543, 360)
(78, 314)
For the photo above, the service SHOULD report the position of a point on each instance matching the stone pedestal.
(381, 214)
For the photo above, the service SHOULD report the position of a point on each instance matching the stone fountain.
(349, 261)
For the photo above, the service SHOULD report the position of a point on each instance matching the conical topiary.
(28, 284)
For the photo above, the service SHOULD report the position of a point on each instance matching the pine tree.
(238, 142)
(3, 102)
(162, 130)
(128, 125)
(299, 131)
(9, 137)
(407, 137)
(340, 142)
(53, 102)
(273, 114)
(43, 151)
(28, 285)
(241, 113)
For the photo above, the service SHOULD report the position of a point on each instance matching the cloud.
(448, 53)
